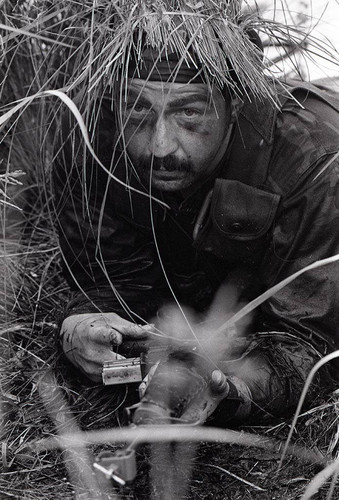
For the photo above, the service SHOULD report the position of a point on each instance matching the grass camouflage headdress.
(206, 37)
(91, 43)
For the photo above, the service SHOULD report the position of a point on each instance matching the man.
(200, 184)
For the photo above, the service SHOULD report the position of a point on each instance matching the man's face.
(174, 133)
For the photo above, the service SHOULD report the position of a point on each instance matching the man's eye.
(138, 108)
(190, 112)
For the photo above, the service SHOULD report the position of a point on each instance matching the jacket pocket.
(239, 221)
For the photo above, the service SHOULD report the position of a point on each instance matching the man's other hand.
(90, 339)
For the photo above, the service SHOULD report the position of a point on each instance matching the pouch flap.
(240, 211)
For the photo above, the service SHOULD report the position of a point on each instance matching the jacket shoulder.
(306, 136)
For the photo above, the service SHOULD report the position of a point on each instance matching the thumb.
(133, 330)
(219, 383)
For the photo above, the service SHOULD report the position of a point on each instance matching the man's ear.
(236, 105)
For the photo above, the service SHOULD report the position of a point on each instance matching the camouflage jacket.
(273, 209)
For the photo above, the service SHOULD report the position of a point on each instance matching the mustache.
(169, 163)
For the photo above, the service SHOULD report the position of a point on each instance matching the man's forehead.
(171, 90)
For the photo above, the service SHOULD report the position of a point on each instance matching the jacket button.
(236, 226)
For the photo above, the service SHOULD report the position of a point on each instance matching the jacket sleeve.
(110, 266)
(305, 168)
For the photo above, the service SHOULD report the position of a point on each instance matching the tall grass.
(52, 49)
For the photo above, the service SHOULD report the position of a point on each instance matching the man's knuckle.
(96, 329)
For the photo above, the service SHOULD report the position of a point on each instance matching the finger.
(218, 382)
(113, 356)
(115, 338)
(104, 334)
(135, 331)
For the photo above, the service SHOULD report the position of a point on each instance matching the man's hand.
(90, 339)
(221, 388)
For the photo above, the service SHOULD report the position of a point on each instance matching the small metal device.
(122, 371)
(119, 466)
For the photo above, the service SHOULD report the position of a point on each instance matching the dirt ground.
(164, 471)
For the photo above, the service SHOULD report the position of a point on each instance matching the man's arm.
(299, 324)
(110, 267)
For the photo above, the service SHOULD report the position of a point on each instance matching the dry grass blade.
(319, 480)
(77, 460)
(19, 31)
(237, 477)
(308, 382)
(272, 291)
(179, 433)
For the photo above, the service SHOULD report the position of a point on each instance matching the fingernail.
(147, 327)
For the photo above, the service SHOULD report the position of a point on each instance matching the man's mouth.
(164, 165)
(160, 166)
(162, 173)
(167, 164)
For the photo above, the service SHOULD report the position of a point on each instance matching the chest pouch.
(238, 221)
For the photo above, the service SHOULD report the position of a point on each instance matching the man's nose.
(163, 141)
